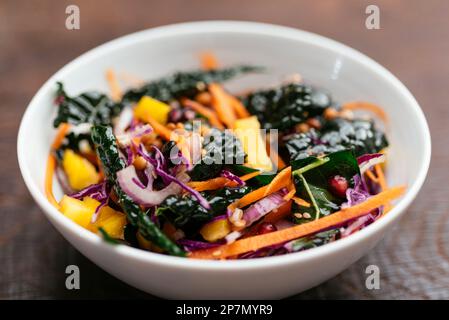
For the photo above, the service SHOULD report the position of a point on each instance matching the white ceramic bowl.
(348, 74)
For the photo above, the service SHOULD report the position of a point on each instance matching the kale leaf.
(108, 153)
(339, 134)
(282, 108)
(221, 148)
(314, 183)
(185, 84)
(88, 107)
(185, 212)
(314, 241)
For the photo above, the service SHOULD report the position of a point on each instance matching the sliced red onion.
(263, 206)
(123, 121)
(229, 175)
(221, 217)
(368, 160)
(146, 197)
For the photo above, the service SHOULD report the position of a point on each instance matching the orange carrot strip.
(221, 105)
(209, 61)
(116, 92)
(206, 112)
(51, 165)
(220, 182)
(282, 180)
(161, 130)
(371, 176)
(290, 195)
(60, 135)
(249, 198)
(301, 202)
(238, 107)
(360, 105)
(268, 239)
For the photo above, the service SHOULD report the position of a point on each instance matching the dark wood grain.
(413, 43)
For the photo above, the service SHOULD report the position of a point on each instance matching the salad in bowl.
(182, 166)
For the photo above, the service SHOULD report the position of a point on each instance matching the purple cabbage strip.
(193, 245)
(229, 175)
(158, 163)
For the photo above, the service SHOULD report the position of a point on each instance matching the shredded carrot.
(161, 130)
(264, 240)
(209, 61)
(220, 182)
(249, 198)
(221, 105)
(290, 195)
(131, 79)
(282, 180)
(51, 165)
(238, 107)
(60, 135)
(204, 111)
(116, 92)
(360, 105)
(301, 202)
(371, 176)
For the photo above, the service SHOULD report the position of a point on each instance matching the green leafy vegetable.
(282, 108)
(185, 211)
(338, 134)
(315, 241)
(108, 153)
(221, 148)
(185, 84)
(258, 181)
(88, 107)
(314, 182)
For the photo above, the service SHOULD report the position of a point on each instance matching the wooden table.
(413, 43)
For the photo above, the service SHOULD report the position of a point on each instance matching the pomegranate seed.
(338, 186)
(266, 227)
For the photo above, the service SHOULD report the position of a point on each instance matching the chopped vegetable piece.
(149, 107)
(80, 172)
(248, 131)
(216, 230)
(222, 105)
(265, 240)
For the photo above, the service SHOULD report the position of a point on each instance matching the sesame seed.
(307, 215)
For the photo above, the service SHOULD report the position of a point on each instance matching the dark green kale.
(88, 107)
(314, 241)
(221, 148)
(312, 176)
(359, 135)
(108, 153)
(185, 84)
(282, 108)
(185, 212)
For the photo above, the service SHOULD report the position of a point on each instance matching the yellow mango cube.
(112, 221)
(216, 230)
(80, 172)
(152, 107)
(248, 132)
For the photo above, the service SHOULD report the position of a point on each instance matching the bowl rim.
(228, 26)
